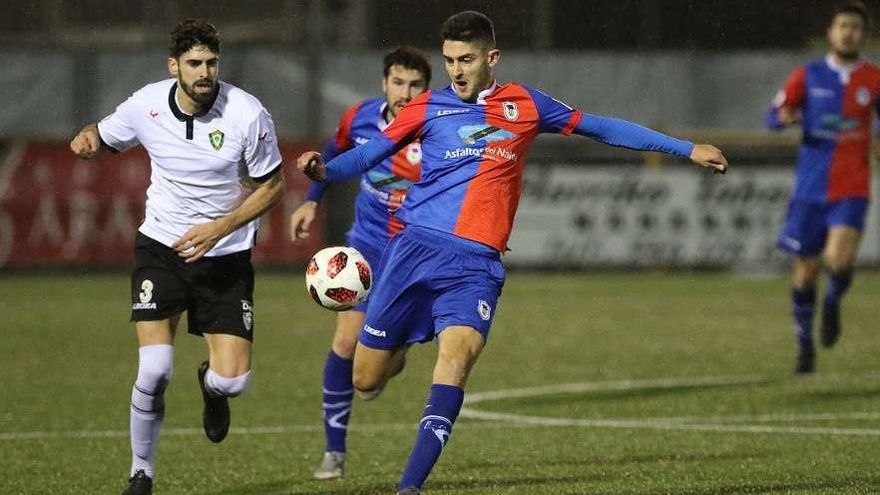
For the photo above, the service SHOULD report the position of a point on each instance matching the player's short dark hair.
(408, 58)
(193, 32)
(854, 7)
(469, 26)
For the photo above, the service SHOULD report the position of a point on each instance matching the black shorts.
(216, 292)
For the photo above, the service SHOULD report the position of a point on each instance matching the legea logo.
(372, 331)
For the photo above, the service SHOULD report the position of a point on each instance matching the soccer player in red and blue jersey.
(442, 275)
(834, 99)
(406, 74)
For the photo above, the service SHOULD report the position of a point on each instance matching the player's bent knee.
(227, 387)
(365, 385)
(368, 395)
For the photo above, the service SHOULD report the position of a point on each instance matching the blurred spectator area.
(685, 66)
(521, 24)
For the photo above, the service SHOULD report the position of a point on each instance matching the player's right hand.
(311, 163)
(86, 144)
(301, 220)
(706, 155)
(787, 115)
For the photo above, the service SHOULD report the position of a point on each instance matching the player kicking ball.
(406, 74)
(441, 277)
(192, 253)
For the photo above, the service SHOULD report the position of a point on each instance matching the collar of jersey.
(382, 124)
(482, 95)
(844, 72)
(181, 116)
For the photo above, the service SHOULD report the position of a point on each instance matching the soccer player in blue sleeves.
(441, 276)
(835, 99)
(406, 74)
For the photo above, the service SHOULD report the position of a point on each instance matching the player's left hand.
(706, 155)
(200, 239)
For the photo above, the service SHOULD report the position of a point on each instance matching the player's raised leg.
(840, 257)
(227, 373)
(459, 348)
(155, 364)
(803, 297)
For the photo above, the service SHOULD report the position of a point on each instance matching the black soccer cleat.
(139, 484)
(806, 362)
(830, 330)
(215, 416)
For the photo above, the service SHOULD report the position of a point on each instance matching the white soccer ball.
(338, 278)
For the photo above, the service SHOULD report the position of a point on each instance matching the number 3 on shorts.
(146, 293)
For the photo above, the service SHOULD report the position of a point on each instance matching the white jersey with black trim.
(201, 164)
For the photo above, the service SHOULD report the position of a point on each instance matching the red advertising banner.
(59, 210)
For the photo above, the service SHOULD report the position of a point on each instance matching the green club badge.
(216, 138)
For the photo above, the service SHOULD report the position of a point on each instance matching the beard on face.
(849, 55)
(200, 98)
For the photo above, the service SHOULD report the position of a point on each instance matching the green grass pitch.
(668, 384)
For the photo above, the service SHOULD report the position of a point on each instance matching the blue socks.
(803, 307)
(338, 393)
(838, 283)
(442, 408)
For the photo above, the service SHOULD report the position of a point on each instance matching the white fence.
(632, 216)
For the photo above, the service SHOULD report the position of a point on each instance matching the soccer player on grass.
(215, 169)
(834, 98)
(441, 277)
(407, 74)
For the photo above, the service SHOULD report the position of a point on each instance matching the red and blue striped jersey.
(837, 107)
(473, 154)
(382, 188)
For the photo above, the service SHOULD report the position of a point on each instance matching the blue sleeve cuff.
(359, 159)
(316, 191)
(773, 122)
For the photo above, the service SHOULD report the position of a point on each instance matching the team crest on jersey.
(414, 153)
(511, 111)
(863, 96)
(217, 138)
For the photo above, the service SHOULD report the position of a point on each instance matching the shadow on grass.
(838, 394)
(861, 485)
(599, 460)
(289, 487)
(640, 393)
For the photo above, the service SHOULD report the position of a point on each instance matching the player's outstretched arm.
(301, 220)
(87, 144)
(201, 238)
(706, 155)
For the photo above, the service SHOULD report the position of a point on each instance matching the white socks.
(226, 387)
(148, 405)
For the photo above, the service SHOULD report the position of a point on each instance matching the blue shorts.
(807, 223)
(431, 280)
(372, 251)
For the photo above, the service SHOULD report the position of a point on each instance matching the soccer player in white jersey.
(215, 169)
